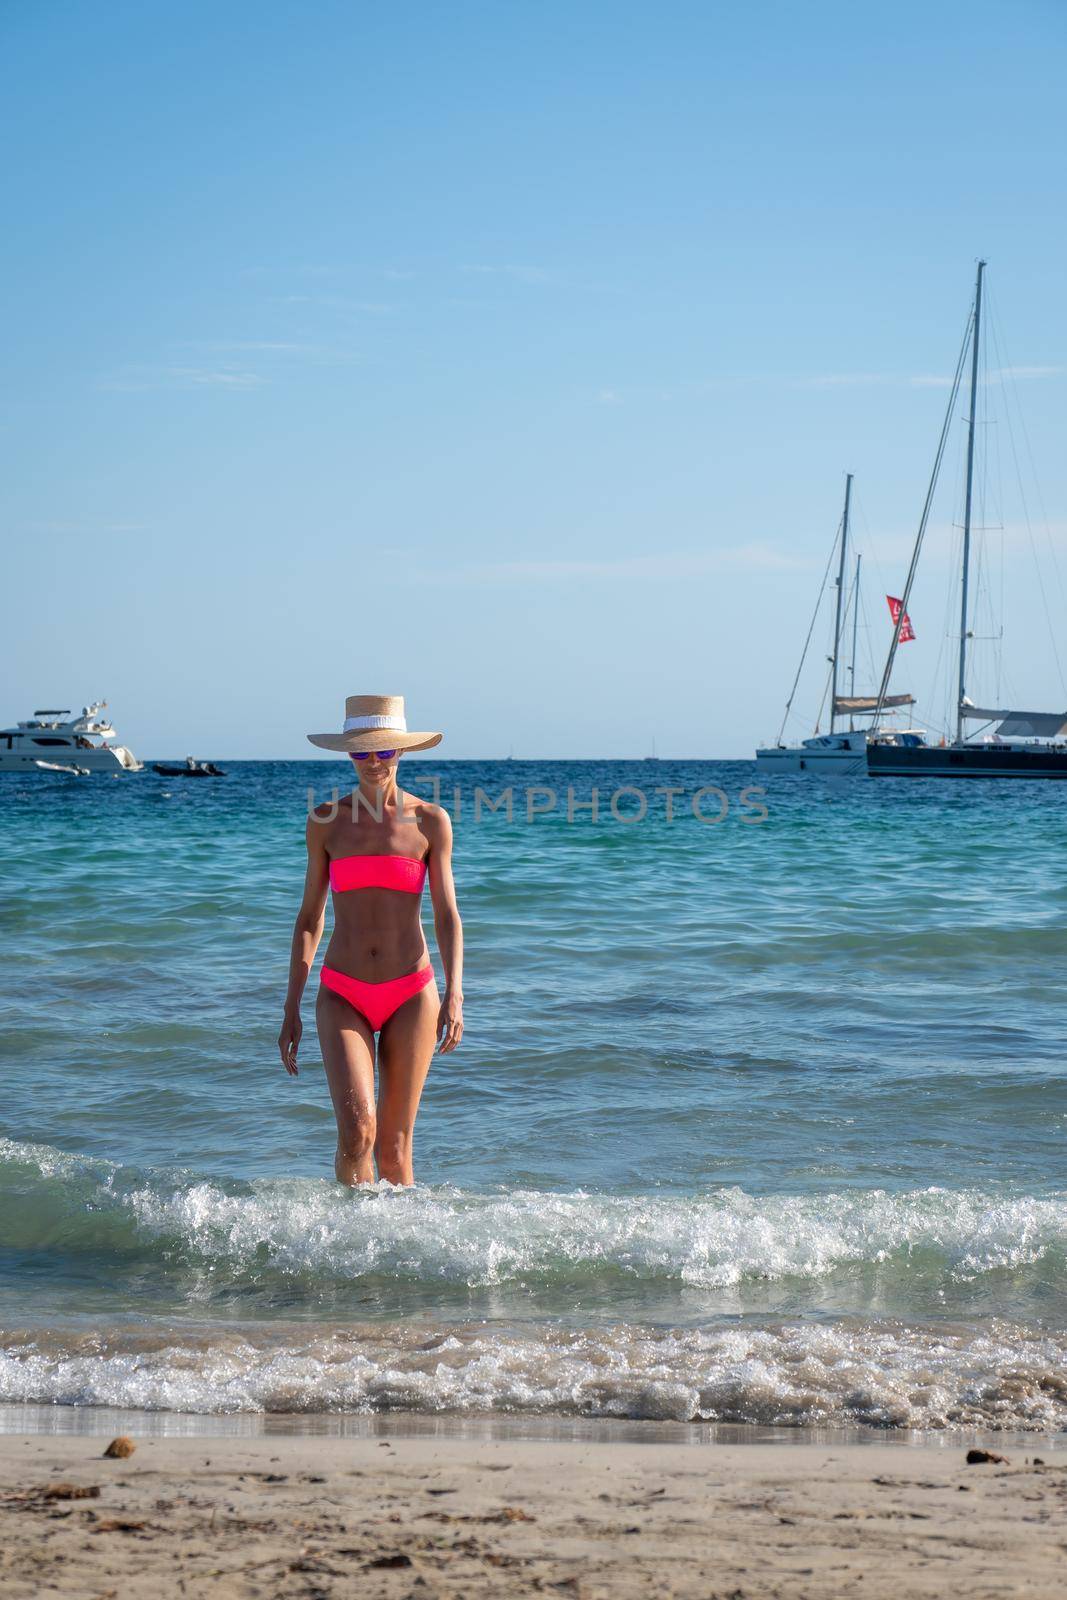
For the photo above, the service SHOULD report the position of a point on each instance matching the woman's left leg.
(405, 1050)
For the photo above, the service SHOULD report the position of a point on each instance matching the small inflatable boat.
(191, 769)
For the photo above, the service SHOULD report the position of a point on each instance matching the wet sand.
(424, 1517)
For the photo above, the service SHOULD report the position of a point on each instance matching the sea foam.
(846, 1373)
(314, 1230)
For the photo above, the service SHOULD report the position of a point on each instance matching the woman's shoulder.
(321, 820)
(433, 819)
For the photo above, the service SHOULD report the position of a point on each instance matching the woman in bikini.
(376, 978)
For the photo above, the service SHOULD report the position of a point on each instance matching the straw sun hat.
(375, 722)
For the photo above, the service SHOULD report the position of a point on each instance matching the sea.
(760, 1115)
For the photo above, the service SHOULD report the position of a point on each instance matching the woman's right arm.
(306, 935)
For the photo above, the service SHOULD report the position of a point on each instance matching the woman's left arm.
(449, 931)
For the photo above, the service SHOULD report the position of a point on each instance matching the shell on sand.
(121, 1447)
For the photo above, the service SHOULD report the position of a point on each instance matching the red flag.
(907, 632)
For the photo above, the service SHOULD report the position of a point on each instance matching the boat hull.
(115, 759)
(979, 761)
(837, 755)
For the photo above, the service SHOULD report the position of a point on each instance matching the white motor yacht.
(52, 741)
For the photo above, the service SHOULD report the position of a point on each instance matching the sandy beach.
(422, 1517)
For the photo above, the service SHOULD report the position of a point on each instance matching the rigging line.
(846, 608)
(991, 505)
(807, 641)
(981, 607)
(869, 554)
(825, 692)
(850, 597)
(936, 698)
(942, 687)
(945, 426)
(865, 625)
(1026, 511)
(948, 691)
(939, 690)
(1000, 346)
(1001, 679)
(993, 485)
(978, 527)
(882, 584)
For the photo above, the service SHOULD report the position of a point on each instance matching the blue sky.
(509, 357)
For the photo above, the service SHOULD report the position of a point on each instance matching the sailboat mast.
(855, 621)
(840, 593)
(967, 501)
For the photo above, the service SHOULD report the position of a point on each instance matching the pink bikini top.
(377, 872)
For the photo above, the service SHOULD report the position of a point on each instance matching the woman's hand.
(289, 1041)
(449, 1023)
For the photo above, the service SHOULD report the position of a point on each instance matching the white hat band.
(361, 724)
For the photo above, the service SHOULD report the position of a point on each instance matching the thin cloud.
(637, 568)
(616, 394)
(995, 375)
(843, 380)
(1038, 534)
(871, 380)
(1029, 372)
(892, 551)
(133, 380)
(336, 302)
(515, 270)
(338, 274)
(260, 346)
(287, 351)
(921, 380)
(293, 272)
(211, 373)
(90, 525)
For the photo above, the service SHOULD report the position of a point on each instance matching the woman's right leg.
(347, 1045)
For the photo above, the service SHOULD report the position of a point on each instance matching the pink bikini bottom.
(376, 1001)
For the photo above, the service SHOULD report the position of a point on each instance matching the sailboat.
(1025, 744)
(840, 752)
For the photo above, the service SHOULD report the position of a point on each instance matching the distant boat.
(1026, 744)
(838, 753)
(62, 766)
(55, 738)
(191, 769)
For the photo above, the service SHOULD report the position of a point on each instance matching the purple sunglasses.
(361, 755)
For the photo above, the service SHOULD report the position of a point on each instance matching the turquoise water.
(760, 1120)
